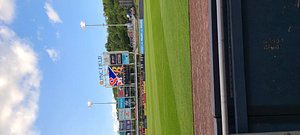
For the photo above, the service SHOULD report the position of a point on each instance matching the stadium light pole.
(83, 25)
(90, 103)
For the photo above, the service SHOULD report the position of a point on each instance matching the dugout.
(262, 64)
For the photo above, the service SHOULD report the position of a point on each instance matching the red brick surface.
(201, 67)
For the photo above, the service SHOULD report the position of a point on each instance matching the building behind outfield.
(126, 3)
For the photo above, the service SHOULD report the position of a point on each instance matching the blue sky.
(48, 69)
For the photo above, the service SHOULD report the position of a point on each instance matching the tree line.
(117, 39)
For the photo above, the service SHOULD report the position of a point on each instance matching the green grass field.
(168, 68)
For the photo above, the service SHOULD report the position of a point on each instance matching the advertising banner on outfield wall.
(119, 58)
(124, 92)
(124, 102)
(120, 92)
(115, 76)
(127, 92)
(121, 114)
(125, 58)
(125, 125)
(119, 75)
(127, 114)
(125, 133)
(121, 102)
(116, 58)
(124, 114)
(142, 46)
(128, 125)
(127, 102)
(142, 36)
(126, 75)
(122, 125)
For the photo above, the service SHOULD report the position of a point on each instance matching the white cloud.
(19, 85)
(52, 15)
(7, 10)
(115, 118)
(53, 54)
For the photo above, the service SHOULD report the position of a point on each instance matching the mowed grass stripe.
(152, 105)
(168, 69)
(160, 108)
(178, 21)
(154, 109)
(162, 96)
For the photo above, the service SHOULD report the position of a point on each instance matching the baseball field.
(168, 68)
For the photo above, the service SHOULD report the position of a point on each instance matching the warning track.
(201, 67)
